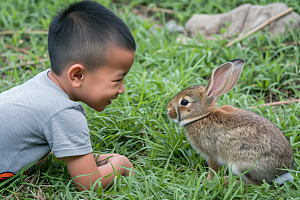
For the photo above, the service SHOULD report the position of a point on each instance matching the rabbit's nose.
(172, 113)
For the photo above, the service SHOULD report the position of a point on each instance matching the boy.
(91, 50)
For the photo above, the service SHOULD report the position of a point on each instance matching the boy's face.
(106, 83)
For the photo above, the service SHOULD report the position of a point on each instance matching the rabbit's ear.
(238, 65)
(224, 78)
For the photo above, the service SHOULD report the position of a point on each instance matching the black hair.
(84, 33)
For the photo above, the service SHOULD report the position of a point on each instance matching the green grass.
(136, 125)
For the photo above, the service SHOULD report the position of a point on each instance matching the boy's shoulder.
(39, 98)
(35, 87)
(38, 93)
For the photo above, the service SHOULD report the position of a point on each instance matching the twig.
(291, 43)
(32, 62)
(157, 9)
(15, 192)
(23, 50)
(32, 193)
(24, 64)
(278, 103)
(152, 8)
(16, 196)
(106, 195)
(283, 44)
(293, 63)
(137, 12)
(267, 47)
(261, 26)
(10, 32)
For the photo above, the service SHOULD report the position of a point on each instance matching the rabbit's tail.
(284, 178)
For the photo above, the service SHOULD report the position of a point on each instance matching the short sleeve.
(67, 134)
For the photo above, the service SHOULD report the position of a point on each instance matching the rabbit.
(229, 135)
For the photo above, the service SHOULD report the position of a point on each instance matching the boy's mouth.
(109, 101)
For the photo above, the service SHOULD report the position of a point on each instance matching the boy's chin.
(100, 108)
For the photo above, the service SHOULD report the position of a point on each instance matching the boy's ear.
(75, 75)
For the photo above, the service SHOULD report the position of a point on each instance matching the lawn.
(136, 125)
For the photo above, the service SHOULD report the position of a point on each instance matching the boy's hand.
(85, 164)
(102, 159)
(124, 162)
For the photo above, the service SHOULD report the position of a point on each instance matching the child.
(91, 50)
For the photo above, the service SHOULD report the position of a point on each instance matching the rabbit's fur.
(228, 135)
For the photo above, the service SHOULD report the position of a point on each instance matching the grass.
(136, 125)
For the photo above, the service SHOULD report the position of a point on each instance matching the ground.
(137, 125)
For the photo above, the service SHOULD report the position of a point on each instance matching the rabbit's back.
(235, 135)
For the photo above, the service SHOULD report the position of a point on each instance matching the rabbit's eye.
(184, 102)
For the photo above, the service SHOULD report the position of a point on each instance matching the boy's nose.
(121, 89)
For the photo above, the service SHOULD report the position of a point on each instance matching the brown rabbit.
(228, 135)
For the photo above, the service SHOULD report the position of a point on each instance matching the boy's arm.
(85, 164)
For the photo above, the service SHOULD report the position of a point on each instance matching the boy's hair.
(83, 33)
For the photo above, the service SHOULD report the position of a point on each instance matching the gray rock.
(243, 19)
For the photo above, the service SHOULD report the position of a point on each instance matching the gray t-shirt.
(37, 117)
